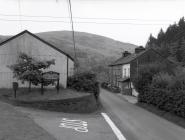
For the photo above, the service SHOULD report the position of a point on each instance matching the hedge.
(164, 99)
(85, 82)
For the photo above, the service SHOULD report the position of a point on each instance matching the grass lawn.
(166, 115)
(35, 94)
(16, 126)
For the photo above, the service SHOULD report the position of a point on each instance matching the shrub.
(162, 80)
(145, 75)
(85, 82)
(166, 92)
(165, 99)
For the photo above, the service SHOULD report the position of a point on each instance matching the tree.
(180, 53)
(151, 41)
(29, 69)
(160, 37)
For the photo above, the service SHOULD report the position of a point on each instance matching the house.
(124, 69)
(36, 47)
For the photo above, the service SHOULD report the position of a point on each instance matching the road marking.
(77, 125)
(116, 131)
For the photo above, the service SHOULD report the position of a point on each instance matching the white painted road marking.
(116, 131)
(78, 125)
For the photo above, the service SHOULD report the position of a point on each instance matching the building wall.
(116, 75)
(148, 57)
(33, 47)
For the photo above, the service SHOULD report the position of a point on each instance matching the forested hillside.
(171, 43)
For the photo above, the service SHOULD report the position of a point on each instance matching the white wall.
(10, 51)
(134, 92)
(126, 70)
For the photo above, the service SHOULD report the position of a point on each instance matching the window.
(125, 72)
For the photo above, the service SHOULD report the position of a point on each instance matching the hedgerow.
(161, 89)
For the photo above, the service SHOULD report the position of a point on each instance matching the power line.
(82, 22)
(19, 7)
(101, 18)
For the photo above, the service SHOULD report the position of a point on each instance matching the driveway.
(136, 123)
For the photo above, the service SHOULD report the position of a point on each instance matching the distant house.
(124, 69)
(34, 46)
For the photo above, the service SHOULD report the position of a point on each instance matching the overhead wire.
(82, 22)
(19, 7)
(90, 18)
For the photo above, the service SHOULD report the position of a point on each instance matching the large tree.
(28, 69)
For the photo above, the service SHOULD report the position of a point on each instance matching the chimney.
(126, 53)
(139, 49)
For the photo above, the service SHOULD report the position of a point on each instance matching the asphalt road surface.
(62, 125)
(120, 121)
(138, 124)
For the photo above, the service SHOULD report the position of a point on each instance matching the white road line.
(116, 131)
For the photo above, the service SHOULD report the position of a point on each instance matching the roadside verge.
(16, 126)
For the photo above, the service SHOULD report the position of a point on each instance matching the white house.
(34, 46)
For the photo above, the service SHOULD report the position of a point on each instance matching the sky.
(130, 21)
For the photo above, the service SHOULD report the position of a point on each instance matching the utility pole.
(73, 35)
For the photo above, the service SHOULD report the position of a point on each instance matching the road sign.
(77, 125)
(51, 75)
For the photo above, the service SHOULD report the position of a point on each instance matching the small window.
(125, 72)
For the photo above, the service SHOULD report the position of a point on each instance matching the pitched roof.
(35, 36)
(126, 60)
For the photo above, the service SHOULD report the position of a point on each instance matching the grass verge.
(17, 126)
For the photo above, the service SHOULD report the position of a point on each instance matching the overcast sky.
(124, 20)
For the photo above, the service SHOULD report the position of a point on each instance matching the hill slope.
(94, 52)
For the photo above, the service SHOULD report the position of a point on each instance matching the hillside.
(94, 52)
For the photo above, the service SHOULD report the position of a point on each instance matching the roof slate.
(125, 60)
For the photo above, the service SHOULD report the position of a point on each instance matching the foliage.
(145, 74)
(166, 92)
(170, 43)
(85, 82)
(110, 87)
(165, 99)
(29, 69)
(161, 80)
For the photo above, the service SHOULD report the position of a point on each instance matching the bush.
(162, 80)
(165, 99)
(145, 76)
(85, 82)
(166, 92)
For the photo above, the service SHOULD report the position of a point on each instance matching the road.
(138, 124)
(133, 122)
(97, 127)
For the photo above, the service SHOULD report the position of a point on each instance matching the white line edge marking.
(116, 131)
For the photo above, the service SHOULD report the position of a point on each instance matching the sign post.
(15, 87)
(50, 77)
